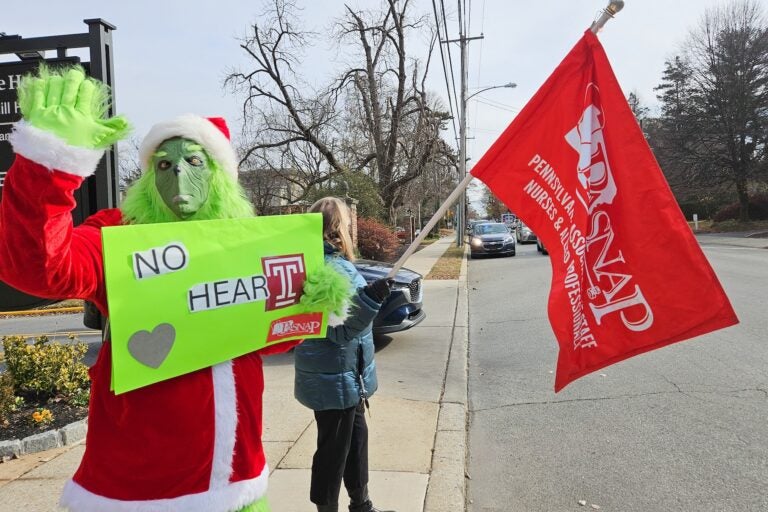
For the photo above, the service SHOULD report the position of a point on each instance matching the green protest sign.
(188, 295)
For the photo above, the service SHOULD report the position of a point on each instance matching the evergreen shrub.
(45, 370)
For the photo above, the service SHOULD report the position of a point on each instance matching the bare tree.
(493, 206)
(401, 125)
(286, 124)
(715, 102)
(128, 164)
(375, 117)
(427, 193)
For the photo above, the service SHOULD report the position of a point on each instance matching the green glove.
(70, 105)
(326, 289)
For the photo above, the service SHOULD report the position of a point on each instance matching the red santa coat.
(191, 443)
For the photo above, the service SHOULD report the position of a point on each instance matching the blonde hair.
(336, 221)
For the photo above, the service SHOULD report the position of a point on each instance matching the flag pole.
(614, 6)
(431, 224)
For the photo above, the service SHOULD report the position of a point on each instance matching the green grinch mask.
(183, 173)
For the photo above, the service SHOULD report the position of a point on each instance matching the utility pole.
(609, 12)
(461, 220)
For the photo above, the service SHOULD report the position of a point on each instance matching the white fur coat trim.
(232, 497)
(222, 495)
(225, 403)
(53, 152)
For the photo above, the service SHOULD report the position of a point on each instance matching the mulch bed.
(21, 425)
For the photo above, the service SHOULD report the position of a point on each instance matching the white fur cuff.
(53, 152)
(334, 320)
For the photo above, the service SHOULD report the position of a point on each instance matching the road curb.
(40, 312)
(446, 489)
(67, 435)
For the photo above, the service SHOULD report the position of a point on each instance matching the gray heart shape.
(151, 348)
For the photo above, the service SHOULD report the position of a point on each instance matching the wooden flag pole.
(614, 6)
(431, 224)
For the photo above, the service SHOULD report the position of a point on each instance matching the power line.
(512, 110)
(497, 104)
(450, 59)
(465, 178)
(488, 130)
(445, 71)
(479, 62)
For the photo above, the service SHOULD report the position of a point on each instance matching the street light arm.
(510, 85)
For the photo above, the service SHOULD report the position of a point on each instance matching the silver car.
(491, 238)
(525, 234)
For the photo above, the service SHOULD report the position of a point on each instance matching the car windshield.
(490, 229)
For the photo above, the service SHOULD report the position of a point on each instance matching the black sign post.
(100, 190)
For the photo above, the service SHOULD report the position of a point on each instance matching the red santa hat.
(210, 132)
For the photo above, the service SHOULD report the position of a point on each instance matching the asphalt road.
(56, 327)
(682, 428)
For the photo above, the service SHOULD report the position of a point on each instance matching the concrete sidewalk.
(417, 420)
(757, 240)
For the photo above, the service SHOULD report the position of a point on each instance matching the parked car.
(491, 238)
(472, 223)
(524, 234)
(402, 309)
(540, 247)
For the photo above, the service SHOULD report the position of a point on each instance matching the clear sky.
(171, 56)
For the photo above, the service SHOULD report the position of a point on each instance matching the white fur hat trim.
(199, 129)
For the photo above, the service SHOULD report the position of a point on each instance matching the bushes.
(44, 370)
(758, 209)
(7, 397)
(705, 209)
(376, 241)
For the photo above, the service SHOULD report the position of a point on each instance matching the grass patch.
(449, 264)
(69, 303)
(728, 226)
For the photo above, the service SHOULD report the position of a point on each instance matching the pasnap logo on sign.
(307, 324)
(285, 277)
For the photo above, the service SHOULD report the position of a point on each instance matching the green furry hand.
(70, 105)
(326, 289)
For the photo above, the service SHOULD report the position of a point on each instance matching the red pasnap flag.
(628, 276)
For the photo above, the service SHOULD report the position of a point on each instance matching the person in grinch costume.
(191, 443)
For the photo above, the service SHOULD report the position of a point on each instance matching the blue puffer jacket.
(338, 371)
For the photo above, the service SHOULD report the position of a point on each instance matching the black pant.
(342, 452)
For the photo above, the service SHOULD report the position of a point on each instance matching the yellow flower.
(42, 415)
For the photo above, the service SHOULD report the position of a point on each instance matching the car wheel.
(511, 254)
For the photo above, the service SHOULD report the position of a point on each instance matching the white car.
(525, 234)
